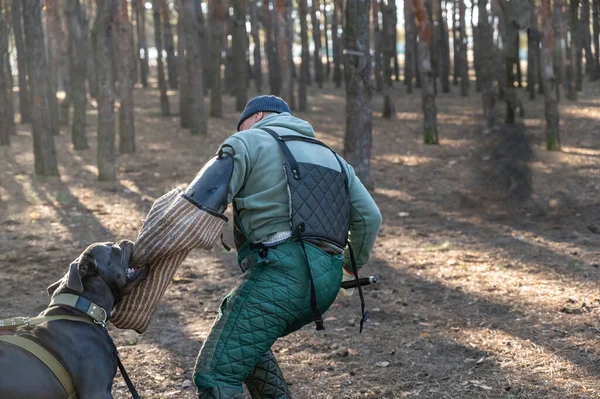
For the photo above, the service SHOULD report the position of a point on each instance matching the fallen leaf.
(382, 364)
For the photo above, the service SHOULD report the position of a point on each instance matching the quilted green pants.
(271, 299)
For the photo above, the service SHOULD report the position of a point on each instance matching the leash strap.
(16, 322)
(134, 392)
(59, 371)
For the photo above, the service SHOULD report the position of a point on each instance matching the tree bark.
(24, 94)
(476, 49)
(456, 53)
(558, 52)
(549, 81)
(596, 37)
(335, 42)
(256, 40)
(572, 52)
(216, 24)
(140, 25)
(7, 122)
(409, 54)
(78, 66)
(325, 25)
(316, 30)
(463, 63)
(57, 61)
(162, 84)
(284, 49)
(169, 44)
(388, 52)
(486, 57)
(104, 29)
(359, 92)
(304, 66)
(432, 6)
(126, 114)
(444, 51)
(44, 151)
(533, 35)
(428, 96)
(91, 76)
(240, 49)
(377, 39)
(586, 38)
(194, 36)
(271, 49)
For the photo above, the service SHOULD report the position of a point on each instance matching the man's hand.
(346, 276)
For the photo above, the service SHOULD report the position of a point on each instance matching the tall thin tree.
(427, 92)
(169, 44)
(44, 151)
(158, 42)
(409, 54)
(317, 41)
(24, 95)
(7, 122)
(463, 63)
(550, 103)
(78, 66)
(326, 34)
(388, 52)
(596, 37)
(140, 25)
(359, 91)
(123, 34)
(304, 66)
(284, 49)
(216, 24)
(445, 49)
(194, 36)
(254, 30)
(571, 74)
(104, 28)
(240, 49)
(271, 49)
(335, 43)
(486, 58)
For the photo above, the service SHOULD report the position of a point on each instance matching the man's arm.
(365, 221)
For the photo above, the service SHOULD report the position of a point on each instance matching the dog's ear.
(82, 266)
(51, 288)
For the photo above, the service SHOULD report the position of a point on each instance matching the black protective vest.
(319, 207)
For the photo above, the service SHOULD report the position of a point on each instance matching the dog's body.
(102, 275)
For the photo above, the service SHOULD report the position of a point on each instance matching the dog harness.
(95, 313)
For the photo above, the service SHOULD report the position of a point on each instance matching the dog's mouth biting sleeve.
(174, 226)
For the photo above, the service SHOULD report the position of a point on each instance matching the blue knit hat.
(264, 104)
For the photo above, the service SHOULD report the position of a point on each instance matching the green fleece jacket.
(258, 186)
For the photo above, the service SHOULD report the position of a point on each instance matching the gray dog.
(102, 275)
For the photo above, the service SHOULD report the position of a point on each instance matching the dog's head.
(102, 274)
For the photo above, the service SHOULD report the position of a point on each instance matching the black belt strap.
(364, 314)
(286, 152)
(134, 392)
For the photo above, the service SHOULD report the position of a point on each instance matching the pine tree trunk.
(240, 49)
(134, 48)
(476, 60)
(428, 97)
(587, 38)
(517, 58)
(104, 29)
(487, 59)
(78, 66)
(7, 122)
(445, 52)
(44, 151)
(169, 44)
(359, 91)
(56, 60)
(463, 64)
(549, 81)
(143, 47)
(335, 42)
(216, 25)
(123, 30)
(256, 40)
(162, 84)
(533, 35)
(596, 38)
(432, 12)
(184, 82)
(304, 66)
(572, 51)
(24, 94)
(377, 39)
(194, 36)
(91, 76)
(316, 30)
(326, 24)
(409, 54)
(284, 47)
(456, 53)
(558, 51)
(388, 50)
(271, 49)
(579, 57)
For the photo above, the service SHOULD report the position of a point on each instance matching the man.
(294, 201)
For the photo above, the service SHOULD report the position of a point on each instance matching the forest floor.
(487, 261)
